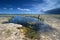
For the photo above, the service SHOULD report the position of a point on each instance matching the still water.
(31, 22)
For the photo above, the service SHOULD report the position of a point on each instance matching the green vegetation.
(10, 17)
(41, 19)
(29, 33)
(27, 15)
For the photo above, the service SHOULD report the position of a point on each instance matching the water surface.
(31, 22)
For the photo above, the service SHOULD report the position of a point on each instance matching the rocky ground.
(9, 31)
(54, 23)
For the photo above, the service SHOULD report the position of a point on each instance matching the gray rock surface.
(9, 31)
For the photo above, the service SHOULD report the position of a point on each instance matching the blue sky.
(28, 6)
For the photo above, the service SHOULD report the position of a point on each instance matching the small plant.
(10, 17)
(38, 17)
(29, 33)
(41, 19)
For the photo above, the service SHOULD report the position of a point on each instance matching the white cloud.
(27, 9)
(4, 8)
(23, 9)
(47, 5)
(19, 8)
(10, 8)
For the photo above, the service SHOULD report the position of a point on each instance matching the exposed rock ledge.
(10, 32)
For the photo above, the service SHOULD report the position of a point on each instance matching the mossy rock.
(29, 33)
